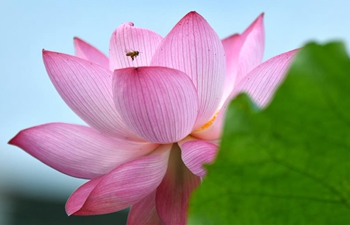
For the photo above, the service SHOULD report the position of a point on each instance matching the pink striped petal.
(76, 150)
(193, 47)
(87, 90)
(122, 187)
(243, 53)
(174, 192)
(126, 38)
(232, 46)
(159, 104)
(144, 212)
(78, 198)
(86, 51)
(262, 81)
(196, 153)
(252, 50)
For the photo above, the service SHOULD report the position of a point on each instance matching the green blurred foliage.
(288, 163)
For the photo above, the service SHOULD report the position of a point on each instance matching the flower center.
(210, 122)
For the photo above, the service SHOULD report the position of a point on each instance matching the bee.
(133, 54)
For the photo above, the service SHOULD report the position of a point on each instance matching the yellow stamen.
(210, 122)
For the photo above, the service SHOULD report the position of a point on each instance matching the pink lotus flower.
(154, 120)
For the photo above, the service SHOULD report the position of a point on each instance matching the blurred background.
(33, 193)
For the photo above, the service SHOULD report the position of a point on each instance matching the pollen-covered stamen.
(209, 123)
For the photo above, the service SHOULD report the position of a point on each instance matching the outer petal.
(174, 192)
(157, 103)
(126, 38)
(243, 53)
(76, 150)
(252, 51)
(86, 51)
(144, 212)
(232, 46)
(260, 84)
(196, 153)
(262, 81)
(87, 90)
(122, 187)
(193, 47)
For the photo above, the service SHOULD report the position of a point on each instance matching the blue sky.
(28, 98)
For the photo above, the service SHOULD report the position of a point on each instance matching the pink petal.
(174, 192)
(232, 46)
(87, 90)
(76, 150)
(252, 51)
(144, 212)
(243, 53)
(126, 38)
(122, 187)
(159, 104)
(262, 81)
(78, 198)
(86, 51)
(196, 153)
(193, 47)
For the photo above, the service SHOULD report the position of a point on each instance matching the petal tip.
(71, 208)
(259, 19)
(17, 138)
(13, 140)
(76, 40)
(192, 14)
(46, 55)
(44, 51)
(70, 212)
(75, 212)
